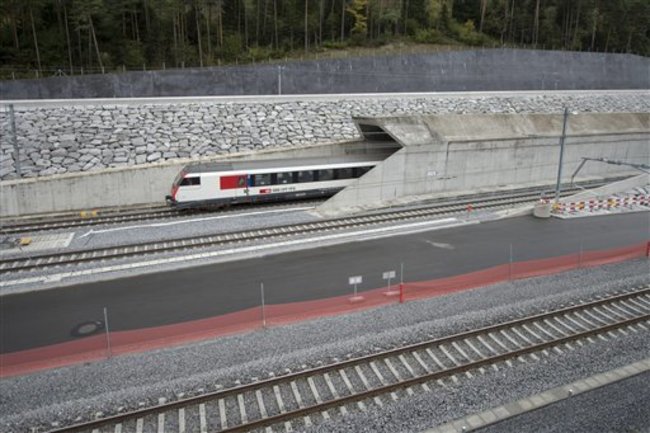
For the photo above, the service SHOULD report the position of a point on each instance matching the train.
(221, 184)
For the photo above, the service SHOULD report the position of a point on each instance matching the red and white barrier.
(602, 204)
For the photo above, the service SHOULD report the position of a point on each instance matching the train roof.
(278, 163)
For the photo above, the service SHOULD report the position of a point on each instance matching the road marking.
(442, 245)
(194, 220)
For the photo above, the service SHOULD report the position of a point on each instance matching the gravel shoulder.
(126, 381)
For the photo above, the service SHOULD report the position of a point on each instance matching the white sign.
(355, 280)
(388, 275)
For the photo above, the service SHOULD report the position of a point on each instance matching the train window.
(305, 176)
(343, 173)
(360, 171)
(284, 178)
(325, 174)
(190, 181)
(262, 179)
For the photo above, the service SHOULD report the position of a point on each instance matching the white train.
(222, 184)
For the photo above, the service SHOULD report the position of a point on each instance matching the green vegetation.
(44, 37)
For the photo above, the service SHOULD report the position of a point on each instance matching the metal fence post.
(108, 334)
(263, 309)
(510, 264)
(580, 254)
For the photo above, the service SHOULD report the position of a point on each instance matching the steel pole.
(14, 140)
(559, 168)
(263, 312)
(108, 333)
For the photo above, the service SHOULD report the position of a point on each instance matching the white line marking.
(194, 220)
(442, 245)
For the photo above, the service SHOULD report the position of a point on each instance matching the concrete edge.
(510, 410)
(164, 100)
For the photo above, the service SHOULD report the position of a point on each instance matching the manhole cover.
(87, 328)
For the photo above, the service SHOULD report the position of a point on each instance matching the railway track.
(184, 245)
(84, 218)
(298, 399)
(112, 216)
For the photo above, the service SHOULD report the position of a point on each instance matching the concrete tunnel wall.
(134, 185)
(456, 154)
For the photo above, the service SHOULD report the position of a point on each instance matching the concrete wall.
(57, 137)
(484, 69)
(307, 123)
(129, 186)
(451, 154)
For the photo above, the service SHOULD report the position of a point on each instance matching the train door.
(234, 186)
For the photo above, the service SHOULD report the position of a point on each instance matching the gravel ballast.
(127, 381)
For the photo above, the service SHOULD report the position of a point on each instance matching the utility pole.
(559, 168)
(14, 139)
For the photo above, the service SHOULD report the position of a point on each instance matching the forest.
(49, 37)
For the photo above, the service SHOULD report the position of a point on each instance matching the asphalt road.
(37, 319)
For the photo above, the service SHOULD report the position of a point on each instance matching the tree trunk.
(209, 33)
(320, 22)
(332, 26)
(577, 27)
(275, 23)
(245, 26)
(92, 29)
(512, 22)
(67, 36)
(594, 27)
(136, 25)
(306, 26)
(198, 32)
(257, 23)
(342, 19)
(90, 48)
(536, 24)
(81, 59)
(220, 22)
(14, 27)
(175, 34)
(406, 15)
(504, 27)
(264, 20)
(38, 52)
(147, 21)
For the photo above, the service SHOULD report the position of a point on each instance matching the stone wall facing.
(78, 138)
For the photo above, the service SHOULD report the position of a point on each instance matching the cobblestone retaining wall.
(55, 140)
